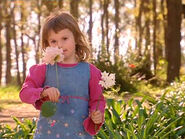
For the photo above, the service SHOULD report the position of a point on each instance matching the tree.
(23, 51)
(106, 12)
(102, 28)
(15, 44)
(105, 26)
(164, 22)
(74, 8)
(90, 24)
(140, 28)
(60, 3)
(8, 45)
(174, 8)
(1, 27)
(50, 4)
(154, 35)
(117, 30)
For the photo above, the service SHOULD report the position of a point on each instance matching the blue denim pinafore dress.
(72, 108)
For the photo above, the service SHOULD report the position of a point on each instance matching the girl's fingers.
(50, 96)
(56, 95)
(53, 94)
(97, 113)
(97, 121)
(97, 117)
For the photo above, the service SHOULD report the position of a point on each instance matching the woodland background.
(152, 30)
(141, 41)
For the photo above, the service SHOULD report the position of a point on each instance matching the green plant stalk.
(57, 75)
(168, 127)
(97, 105)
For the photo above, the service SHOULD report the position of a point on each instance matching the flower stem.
(97, 105)
(57, 75)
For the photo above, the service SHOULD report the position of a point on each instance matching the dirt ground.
(18, 110)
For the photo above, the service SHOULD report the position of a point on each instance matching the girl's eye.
(65, 38)
(53, 41)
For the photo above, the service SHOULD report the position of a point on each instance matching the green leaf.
(118, 136)
(109, 102)
(102, 134)
(153, 118)
(181, 131)
(118, 107)
(116, 116)
(111, 131)
(161, 127)
(48, 109)
(168, 127)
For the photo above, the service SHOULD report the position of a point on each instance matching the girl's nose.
(60, 44)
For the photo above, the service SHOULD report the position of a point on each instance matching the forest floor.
(18, 109)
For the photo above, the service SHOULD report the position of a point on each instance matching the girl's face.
(64, 39)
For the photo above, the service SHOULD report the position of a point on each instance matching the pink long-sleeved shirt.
(33, 86)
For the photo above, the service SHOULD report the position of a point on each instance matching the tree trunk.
(1, 58)
(50, 4)
(37, 56)
(154, 35)
(74, 8)
(147, 37)
(102, 29)
(106, 5)
(164, 26)
(117, 31)
(173, 39)
(140, 29)
(90, 25)
(136, 26)
(147, 34)
(16, 49)
(8, 50)
(22, 44)
(60, 3)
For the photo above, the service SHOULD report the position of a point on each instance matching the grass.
(9, 96)
(9, 92)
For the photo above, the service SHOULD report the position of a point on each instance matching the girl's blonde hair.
(58, 21)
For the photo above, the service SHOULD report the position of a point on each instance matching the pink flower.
(52, 55)
(53, 123)
(58, 135)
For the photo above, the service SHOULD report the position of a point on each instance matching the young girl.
(79, 92)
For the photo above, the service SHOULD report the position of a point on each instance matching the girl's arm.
(33, 85)
(95, 93)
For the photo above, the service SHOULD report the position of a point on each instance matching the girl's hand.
(52, 92)
(97, 117)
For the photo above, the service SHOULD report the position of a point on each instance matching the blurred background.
(147, 34)
(141, 41)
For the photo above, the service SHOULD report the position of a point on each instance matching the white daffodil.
(108, 80)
